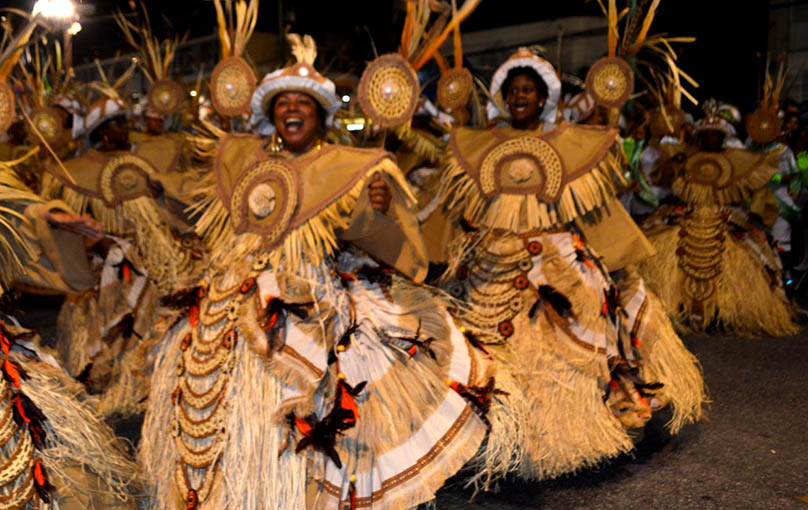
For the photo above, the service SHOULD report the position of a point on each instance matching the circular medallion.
(231, 86)
(610, 81)
(6, 106)
(668, 124)
(388, 90)
(523, 165)
(124, 177)
(505, 328)
(764, 126)
(454, 89)
(49, 122)
(710, 169)
(264, 200)
(534, 247)
(166, 97)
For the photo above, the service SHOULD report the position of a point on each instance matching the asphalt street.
(751, 451)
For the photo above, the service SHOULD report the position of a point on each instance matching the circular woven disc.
(523, 165)
(610, 81)
(124, 177)
(6, 106)
(231, 86)
(764, 126)
(166, 96)
(265, 200)
(712, 169)
(49, 122)
(454, 88)
(388, 90)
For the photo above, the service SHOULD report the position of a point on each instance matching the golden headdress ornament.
(233, 80)
(166, 96)
(610, 80)
(765, 123)
(389, 89)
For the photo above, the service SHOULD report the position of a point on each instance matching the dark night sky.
(724, 59)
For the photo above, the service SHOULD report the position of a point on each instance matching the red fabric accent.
(347, 402)
(39, 474)
(193, 315)
(13, 372)
(303, 426)
(20, 410)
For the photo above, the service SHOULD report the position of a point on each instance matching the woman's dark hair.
(541, 85)
(321, 113)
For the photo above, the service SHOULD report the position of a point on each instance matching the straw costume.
(328, 367)
(582, 360)
(710, 258)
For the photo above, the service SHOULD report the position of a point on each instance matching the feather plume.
(433, 45)
(304, 49)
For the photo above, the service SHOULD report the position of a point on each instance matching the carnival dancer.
(310, 372)
(775, 204)
(714, 268)
(148, 254)
(581, 362)
(55, 452)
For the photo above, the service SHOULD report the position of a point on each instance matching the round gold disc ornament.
(49, 122)
(710, 169)
(454, 89)
(166, 97)
(6, 106)
(231, 86)
(524, 165)
(764, 126)
(388, 91)
(264, 201)
(610, 81)
(124, 177)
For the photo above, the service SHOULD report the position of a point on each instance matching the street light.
(55, 8)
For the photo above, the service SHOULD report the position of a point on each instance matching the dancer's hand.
(380, 194)
(83, 225)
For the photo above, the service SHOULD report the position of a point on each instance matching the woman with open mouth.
(581, 362)
(305, 374)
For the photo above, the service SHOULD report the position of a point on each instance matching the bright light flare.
(75, 28)
(193, 93)
(55, 8)
(346, 98)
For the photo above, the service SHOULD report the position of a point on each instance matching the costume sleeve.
(58, 258)
(394, 238)
(614, 235)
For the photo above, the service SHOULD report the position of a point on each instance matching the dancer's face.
(154, 125)
(524, 102)
(712, 140)
(295, 115)
(115, 134)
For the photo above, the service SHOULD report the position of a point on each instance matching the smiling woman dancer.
(582, 363)
(306, 375)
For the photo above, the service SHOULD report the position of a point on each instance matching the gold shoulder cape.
(297, 207)
(116, 189)
(709, 178)
(520, 181)
(106, 183)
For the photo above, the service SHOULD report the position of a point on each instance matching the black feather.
(535, 309)
(467, 226)
(557, 300)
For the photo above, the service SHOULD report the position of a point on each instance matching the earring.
(275, 143)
